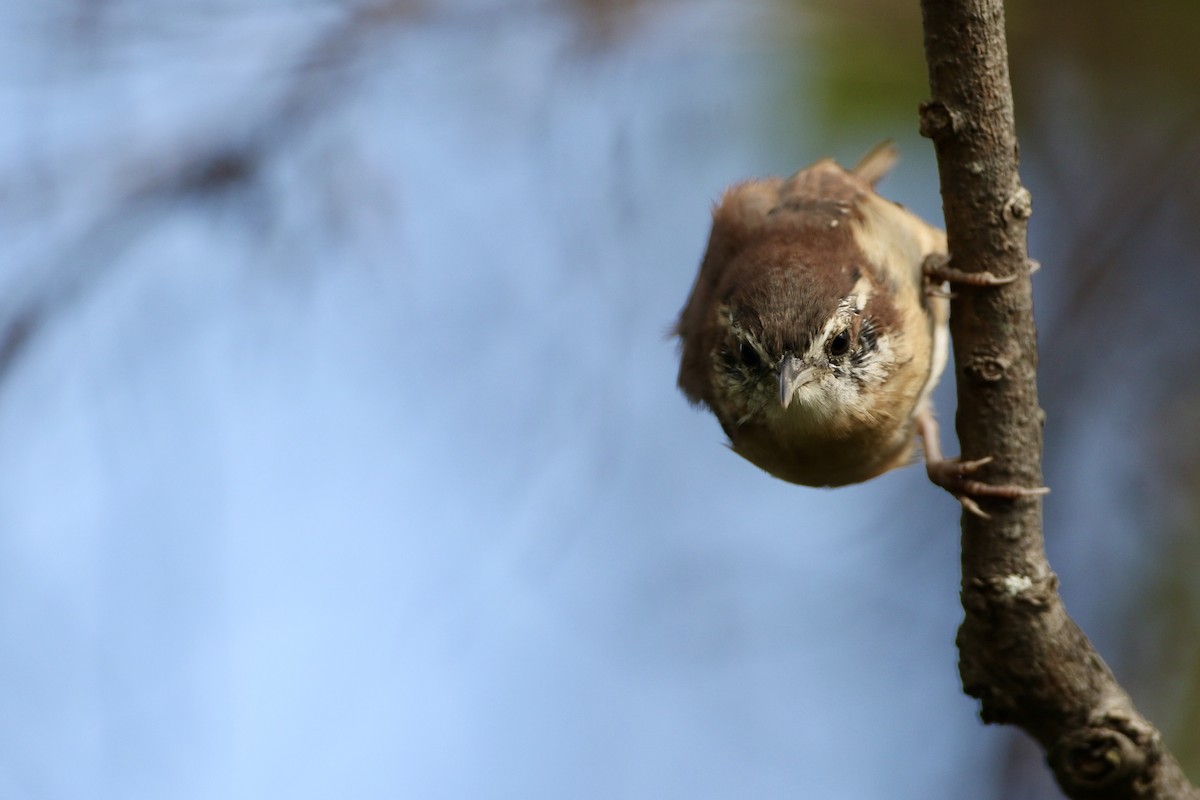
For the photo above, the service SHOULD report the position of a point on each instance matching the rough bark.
(1020, 653)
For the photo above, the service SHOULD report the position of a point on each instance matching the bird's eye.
(749, 355)
(840, 344)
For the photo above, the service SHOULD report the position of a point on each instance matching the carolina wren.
(816, 335)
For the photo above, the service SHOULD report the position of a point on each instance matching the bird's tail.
(878, 162)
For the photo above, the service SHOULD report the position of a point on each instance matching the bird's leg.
(937, 269)
(954, 474)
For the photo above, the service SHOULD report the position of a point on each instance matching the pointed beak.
(793, 373)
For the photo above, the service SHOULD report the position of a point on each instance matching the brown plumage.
(791, 266)
(812, 334)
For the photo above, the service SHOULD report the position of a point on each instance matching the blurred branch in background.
(222, 161)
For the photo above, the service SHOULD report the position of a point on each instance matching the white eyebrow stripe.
(856, 301)
(853, 303)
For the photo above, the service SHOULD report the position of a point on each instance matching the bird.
(817, 329)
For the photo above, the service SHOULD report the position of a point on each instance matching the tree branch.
(1020, 653)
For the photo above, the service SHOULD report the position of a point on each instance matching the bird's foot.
(954, 475)
(937, 269)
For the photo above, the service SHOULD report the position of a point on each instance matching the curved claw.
(953, 475)
(937, 268)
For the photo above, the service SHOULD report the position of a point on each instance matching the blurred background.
(342, 455)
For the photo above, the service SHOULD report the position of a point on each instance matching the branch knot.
(1019, 207)
(938, 120)
(1097, 762)
(986, 367)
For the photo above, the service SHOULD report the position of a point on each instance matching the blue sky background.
(341, 446)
